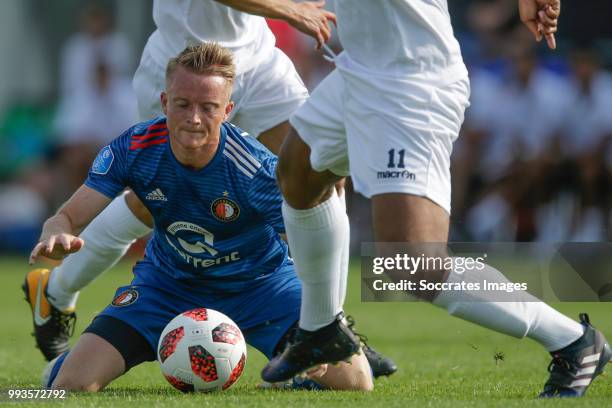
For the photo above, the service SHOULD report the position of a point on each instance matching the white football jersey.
(183, 22)
(399, 36)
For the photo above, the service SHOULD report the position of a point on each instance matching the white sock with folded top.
(317, 237)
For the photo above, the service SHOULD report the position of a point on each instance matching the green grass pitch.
(444, 362)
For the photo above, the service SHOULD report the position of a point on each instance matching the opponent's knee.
(300, 184)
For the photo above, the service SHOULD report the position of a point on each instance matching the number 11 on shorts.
(400, 159)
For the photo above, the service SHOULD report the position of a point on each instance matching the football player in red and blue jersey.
(211, 190)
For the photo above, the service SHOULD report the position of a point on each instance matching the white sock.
(316, 237)
(344, 261)
(107, 238)
(520, 315)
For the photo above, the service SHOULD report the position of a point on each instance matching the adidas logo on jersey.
(156, 195)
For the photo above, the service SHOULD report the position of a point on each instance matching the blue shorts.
(264, 313)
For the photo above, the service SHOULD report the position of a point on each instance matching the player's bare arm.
(541, 18)
(59, 235)
(309, 17)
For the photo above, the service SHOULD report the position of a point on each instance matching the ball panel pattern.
(203, 363)
(178, 384)
(226, 333)
(199, 315)
(236, 372)
(169, 342)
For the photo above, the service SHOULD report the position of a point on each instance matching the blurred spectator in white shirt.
(97, 102)
(95, 43)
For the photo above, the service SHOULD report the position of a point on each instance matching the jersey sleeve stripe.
(136, 146)
(140, 138)
(233, 159)
(157, 126)
(246, 154)
(240, 158)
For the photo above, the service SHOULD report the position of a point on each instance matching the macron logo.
(156, 195)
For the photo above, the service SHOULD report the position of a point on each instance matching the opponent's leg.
(317, 230)
(274, 137)
(412, 219)
(267, 96)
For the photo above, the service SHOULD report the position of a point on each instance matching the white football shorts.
(264, 96)
(396, 134)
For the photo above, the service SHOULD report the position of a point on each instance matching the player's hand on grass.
(541, 18)
(56, 246)
(311, 18)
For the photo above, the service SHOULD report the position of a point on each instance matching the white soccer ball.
(201, 350)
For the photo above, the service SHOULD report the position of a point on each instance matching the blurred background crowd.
(533, 161)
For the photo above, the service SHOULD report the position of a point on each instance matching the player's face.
(195, 106)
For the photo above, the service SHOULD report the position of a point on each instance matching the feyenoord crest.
(125, 298)
(225, 209)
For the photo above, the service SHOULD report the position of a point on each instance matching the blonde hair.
(205, 58)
